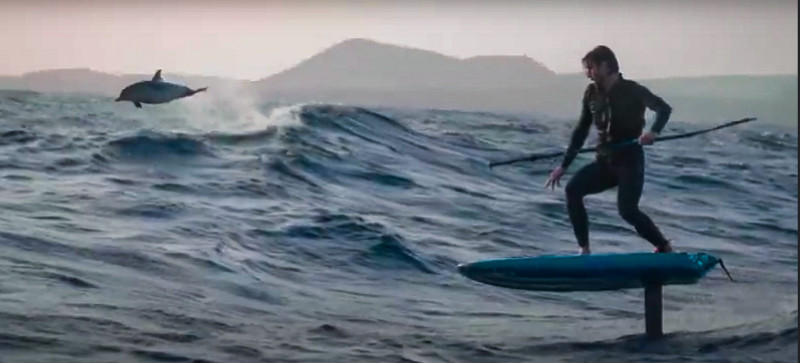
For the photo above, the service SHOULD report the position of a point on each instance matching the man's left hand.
(647, 138)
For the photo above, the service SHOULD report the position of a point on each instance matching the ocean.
(227, 229)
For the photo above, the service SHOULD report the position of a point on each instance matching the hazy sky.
(254, 39)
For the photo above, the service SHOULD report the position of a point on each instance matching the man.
(616, 107)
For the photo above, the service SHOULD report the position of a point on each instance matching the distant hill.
(365, 72)
(771, 98)
(84, 80)
(368, 73)
(364, 64)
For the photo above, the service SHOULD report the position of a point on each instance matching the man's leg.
(591, 179)
(630, 174)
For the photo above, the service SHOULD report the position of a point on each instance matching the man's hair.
(601, 54)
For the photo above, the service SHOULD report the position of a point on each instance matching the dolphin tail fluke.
(202, 89)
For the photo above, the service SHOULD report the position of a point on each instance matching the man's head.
(600, 63)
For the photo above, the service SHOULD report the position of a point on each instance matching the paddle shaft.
(535, 157)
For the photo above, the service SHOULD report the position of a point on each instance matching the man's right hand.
(555, 178)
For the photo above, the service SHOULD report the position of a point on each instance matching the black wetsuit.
(619, 116)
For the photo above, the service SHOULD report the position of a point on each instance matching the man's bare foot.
(667, 248)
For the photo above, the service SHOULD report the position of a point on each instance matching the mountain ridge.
(369, 73)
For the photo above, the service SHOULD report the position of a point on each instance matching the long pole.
(535, 157)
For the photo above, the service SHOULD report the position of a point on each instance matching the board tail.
(721, 264)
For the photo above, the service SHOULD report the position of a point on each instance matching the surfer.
(616, 107)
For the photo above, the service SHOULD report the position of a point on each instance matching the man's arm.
(579, 133)
(658, 105)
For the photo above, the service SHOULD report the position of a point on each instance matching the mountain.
(365, 72)
(771, 98)
(369, 73)
(365, 64)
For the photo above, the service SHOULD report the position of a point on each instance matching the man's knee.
(629, 213)
(574, 194)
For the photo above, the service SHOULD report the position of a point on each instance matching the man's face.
(595, 72)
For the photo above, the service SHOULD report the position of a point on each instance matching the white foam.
(235, 109)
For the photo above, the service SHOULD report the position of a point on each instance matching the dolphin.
(155, 91)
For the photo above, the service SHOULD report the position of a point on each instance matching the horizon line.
(411, 48)
(227, 78)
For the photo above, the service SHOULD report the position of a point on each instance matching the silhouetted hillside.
(771, 98)
(364, 64)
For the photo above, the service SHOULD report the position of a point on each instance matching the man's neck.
(609, 82)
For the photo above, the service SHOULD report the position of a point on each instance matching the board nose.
(465, 269)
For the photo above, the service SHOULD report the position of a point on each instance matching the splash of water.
(235, 109)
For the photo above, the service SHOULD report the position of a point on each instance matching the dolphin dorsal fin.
(157, 76)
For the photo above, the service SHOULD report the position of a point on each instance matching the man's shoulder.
(630, 83)
(591, 89)
(634, 85)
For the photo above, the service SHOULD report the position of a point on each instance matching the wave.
(772, 141)
(774, 340)
(358, 243)
(158, 147)
(16, 137)
(344, 220)
(391, 253)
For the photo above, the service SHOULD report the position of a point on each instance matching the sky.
(254, 39)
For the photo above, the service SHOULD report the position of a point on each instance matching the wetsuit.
(618, 116)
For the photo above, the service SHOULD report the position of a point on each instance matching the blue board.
(591, 272)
